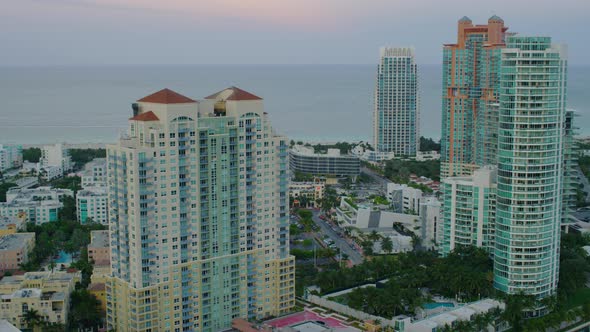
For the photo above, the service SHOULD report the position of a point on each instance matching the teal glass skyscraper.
(531, 151)
(396, 110)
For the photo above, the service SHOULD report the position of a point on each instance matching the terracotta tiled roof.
(235, 94)
(147, 116)
(166, 96)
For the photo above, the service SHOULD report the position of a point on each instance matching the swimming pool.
(434, 305)
(64, 258)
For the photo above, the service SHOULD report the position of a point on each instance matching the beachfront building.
(55, 161)
(397, 107)
(46, 292)
(91, 205)
(198, 214)
(532, 145)
(15, 249)
(38, 205)
(471, 83)
(11, 156)
(304, 160)
(469, 210)
(94, 173)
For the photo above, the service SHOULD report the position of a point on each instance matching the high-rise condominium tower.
(396, 110)
(470, 97)
(507, 139)
(198, 215)
(531, 159)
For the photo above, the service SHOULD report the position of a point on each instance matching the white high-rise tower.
(397, 107)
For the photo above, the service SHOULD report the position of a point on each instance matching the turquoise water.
(434, 305)
(64, 258)
(316, 102)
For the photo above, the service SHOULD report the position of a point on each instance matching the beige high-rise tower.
(198, 215)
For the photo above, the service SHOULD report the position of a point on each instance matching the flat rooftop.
(99, 239)
(5, 221)
(15, 241)
(92, 192)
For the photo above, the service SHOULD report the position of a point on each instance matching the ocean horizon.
(91, 104)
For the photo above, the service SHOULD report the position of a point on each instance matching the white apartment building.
(371, 155)
(431, 222)
(11, 156)
(198, 215)
(91, 204)
(397, 106)
(427, 155)
(55, 159)
(38, 205)
(94, 173)
(403, 198)
(469, 210)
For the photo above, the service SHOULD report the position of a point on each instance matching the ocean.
(308, 102)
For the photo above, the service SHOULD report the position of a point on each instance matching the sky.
(105, 32)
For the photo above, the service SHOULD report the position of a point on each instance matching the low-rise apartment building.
(306, 194)
(15, 249)
(99, 248)
(11, 225)
(48, 293)
(39, 205)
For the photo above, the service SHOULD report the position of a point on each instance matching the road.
(345, 248)
(376, 177)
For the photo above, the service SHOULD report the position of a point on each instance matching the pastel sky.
(49, 32)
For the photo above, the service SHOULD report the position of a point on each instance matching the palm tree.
(374, 236)
(515, 306)
(387, 244)
(32, 319)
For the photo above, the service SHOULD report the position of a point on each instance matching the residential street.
(345, 247)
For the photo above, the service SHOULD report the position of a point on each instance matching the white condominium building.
(56, 157)
(403, 198)
(95, 173)
(397, 107)
(38, 205)
(198, 209)
(11, 156)
(91, 205)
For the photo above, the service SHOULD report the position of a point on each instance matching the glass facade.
(530, 166)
